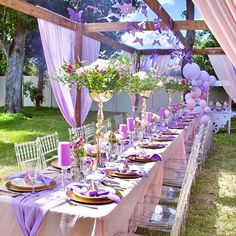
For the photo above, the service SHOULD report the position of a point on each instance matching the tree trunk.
(14, 75)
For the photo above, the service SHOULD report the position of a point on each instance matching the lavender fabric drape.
(220, 17)
(90, 53)
(59, 47)
(225, 72)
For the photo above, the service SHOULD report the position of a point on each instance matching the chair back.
(107, 125)
(27, 152)
(118, 119)
(90, 133)
(74, 133)
(48, 145)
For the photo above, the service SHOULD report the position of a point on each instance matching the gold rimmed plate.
(17, 188)
(89, 200)
(126, 175)
(140, 159)
(153, 146)
(168, 133)
(162, 139)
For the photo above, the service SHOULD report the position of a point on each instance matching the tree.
(13, 31)
(205, 39)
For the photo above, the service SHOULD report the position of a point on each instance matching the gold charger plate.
(85, 199)
(169, 133)
(152, 146)
(15, 188)
(123, 175)
(140, 159)
(162, 139)
(176, 127)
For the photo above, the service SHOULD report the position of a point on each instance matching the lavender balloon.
(212, 80)
(206, 85)
(204, 75)
(191, 71)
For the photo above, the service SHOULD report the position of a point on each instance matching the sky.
(173, 7)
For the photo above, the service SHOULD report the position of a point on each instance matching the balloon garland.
(201, 82)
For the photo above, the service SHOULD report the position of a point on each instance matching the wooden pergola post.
(78, 57)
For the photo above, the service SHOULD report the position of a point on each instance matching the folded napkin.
(83, 190)
(42, 178)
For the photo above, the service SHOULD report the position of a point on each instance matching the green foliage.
(33, 92)
(205, 39)
(3, 63)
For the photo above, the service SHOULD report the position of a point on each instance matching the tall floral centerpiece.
(102, 77)
(173, 84)
(142, 83)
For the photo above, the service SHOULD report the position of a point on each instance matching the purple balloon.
(199, 82)
(199, 110)
(205, 119)
(212, 80)
(194, 83)
(188, 96)
(190, 104)
(196, 92)
(204, 75)
(207, 109)
(206, 85)
(202, 103)
(191, 71)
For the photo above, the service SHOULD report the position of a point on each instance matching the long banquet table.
(108, 219)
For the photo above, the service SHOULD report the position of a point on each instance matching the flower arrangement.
(102, 75)
(155, 118)
(174, 83)
(139, 82)
(78, 147)
(113, 137)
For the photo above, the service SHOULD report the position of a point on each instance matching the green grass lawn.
(17, 128)
(213, 199)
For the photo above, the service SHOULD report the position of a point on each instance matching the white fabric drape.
(220, 16)
(225, 72)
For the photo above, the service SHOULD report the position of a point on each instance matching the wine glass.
(33, 173)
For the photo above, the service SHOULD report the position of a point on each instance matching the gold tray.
(123, 175)
(152, 146)
(14, 188)
(169, 133)
(139, 159)
(85, 199)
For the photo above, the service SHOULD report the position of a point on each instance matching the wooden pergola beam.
(157, 8)
(42, 13)
(120, 26)
(206, 51)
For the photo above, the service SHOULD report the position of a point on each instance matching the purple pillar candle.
(123, 129)
(64, 159)
(149, 117)
(162, 112)
(130, 124)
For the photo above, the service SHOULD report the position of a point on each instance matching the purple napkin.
(44, 179)
(30, 211)
(81, 189)
(155, 156)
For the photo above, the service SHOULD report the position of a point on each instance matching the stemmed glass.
(33, 173)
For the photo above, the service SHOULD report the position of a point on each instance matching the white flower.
(142, 75)
(101, 64)
(160, 84)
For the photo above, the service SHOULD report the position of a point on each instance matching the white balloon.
(202, 103)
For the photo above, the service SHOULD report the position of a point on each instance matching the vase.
(76, 173)
(145, 95)
(170, 92)
(100, 98)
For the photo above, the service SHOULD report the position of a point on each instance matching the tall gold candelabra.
(100, 98)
